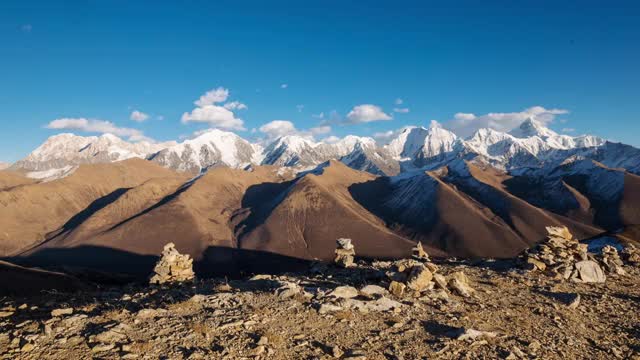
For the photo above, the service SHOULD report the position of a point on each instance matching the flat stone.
(344, 292)
(472, 334)
(373, 291)
(329, 308)
(380, 305)
(61, 312)
(288, 290)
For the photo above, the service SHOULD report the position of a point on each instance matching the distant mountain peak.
(532, 127)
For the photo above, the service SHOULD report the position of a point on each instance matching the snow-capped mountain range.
(530, 146)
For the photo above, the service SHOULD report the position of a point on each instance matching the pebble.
(61, 312)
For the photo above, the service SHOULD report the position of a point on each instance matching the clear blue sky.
(104, 59)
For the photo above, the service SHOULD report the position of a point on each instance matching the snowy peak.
(350, 143)
(438, 141)
(64, 150)
(293, 143)
(291, 150)
(530, 128)
(419, 140)
(211, 148)
(407, 144)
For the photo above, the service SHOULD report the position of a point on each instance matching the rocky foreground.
(407, 309)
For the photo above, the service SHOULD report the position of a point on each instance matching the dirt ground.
(526, 315)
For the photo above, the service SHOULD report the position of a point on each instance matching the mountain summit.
(532, 127)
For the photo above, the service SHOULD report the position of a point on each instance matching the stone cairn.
(418, 275)
(419, 253)
(345, 253)
(172, 267)
(631, 255)
(562, 256)
(611, 261)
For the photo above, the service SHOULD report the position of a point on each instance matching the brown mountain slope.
(30, 212)
(468, 214)
(195, 216)
(461, 210)
(10, 179)
(486, 186)
(304, 217)
(587, 192)
(630, 201)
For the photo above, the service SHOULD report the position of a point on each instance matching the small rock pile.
(172, 267)
(414, 277)
(611, 261)
(345, 253)
(419, 253)
(562, 256)
(631, 255)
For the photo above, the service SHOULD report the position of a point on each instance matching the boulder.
(589, 272)
(419, 278)
(397, 288)
(459, 283)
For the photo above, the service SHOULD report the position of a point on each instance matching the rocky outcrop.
(172, 267)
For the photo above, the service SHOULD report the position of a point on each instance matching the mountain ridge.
(531, 145)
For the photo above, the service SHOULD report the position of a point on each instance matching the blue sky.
(104, 59)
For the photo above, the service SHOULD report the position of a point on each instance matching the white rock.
(590, 272)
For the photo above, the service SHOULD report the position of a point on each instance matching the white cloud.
(212, 97)
(97, 126)
(320, 130)
(284, 86)
(217, 116)
(366, 113)
(331, 139)
(401, 110)
(235, 105)
(138, 116)
(398, 101)
(464, 116)
(299, 108)
(568, 130)
(465, 124)
(214, 116)
(318, 116)
(279, 128)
